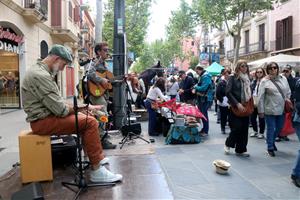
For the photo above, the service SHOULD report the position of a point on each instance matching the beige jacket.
(270, 101)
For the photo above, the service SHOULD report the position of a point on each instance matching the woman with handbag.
(238, 92)
(259, 75)
(151, 103)
(273, 93)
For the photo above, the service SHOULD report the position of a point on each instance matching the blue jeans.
(152, 118)
(274, 126)
(203, 107)
(296, 170)
(297, 128)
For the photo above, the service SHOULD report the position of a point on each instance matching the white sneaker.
(104, 161)
(254, 134)
(102, 175)
(227, 149)
(260, 136)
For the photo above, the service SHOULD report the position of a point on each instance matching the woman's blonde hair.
(239, 64)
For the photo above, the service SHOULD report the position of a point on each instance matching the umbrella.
(215, 69)
(280, 59)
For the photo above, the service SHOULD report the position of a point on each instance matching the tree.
(153, 52)
(230, 12)
(137, 14)
(194, 62)
(181, 25)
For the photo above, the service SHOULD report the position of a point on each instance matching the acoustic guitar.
(98, 90)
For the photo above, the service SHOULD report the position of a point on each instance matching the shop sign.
(6, 34)
(10, 41)
(9, 47)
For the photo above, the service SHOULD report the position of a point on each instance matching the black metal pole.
(120, 96)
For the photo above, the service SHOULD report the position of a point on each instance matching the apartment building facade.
(190, 48)
(28, 29)
(268, 33)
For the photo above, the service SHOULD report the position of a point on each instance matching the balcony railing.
(249, 49)
(40, 7)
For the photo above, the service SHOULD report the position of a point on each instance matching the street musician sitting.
(48, 114)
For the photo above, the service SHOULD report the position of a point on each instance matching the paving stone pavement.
(189, 170)
(11, 124)
(191, 175)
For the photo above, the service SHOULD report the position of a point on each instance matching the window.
(70, 11)
(44, 49)
(247, 33)
(261, 37)
(76, 14)
(56, 13)
(221, 47)
(284, 33)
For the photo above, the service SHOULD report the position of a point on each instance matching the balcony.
(84, 29)
(65, 35)
(36, 10)
(63, 28)
(252, 49)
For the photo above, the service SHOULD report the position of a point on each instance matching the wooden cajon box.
(35, 157)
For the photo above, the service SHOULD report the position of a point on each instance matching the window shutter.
(278, 35)
(76, 14)
(290, 32)
(56, 13)
(70, 10)
(262, 37)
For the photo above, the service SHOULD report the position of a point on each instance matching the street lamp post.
(119, 63)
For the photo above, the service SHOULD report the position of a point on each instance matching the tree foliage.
(181, 25)
(137, 14)
(230, 12)
(194, 62)
(153, 52)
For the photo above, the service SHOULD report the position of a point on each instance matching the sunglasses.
(105, 50)
(285, 71)
(244, 66)
(259, 72)
(272, 68)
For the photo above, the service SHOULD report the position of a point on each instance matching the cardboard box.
(35, 157)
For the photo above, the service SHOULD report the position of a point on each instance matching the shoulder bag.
(288, 105)
(249, 108)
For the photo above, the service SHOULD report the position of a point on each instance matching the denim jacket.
(205, 85)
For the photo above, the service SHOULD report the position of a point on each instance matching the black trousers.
(224, 112)
(261, 121)
(238, 137)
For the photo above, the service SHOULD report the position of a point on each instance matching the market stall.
(181, 122)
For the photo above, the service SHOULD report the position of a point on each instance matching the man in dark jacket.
(287, 72)
(186, 85)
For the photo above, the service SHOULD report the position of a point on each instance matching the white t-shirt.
(133, 94)
(173, 88)
(154, 93)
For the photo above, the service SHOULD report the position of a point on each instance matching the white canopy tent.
(281, 59)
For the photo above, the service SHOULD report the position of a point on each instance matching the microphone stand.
(80, 181)
(130, 135)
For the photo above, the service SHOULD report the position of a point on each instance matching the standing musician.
(96, 68)
(48, 114)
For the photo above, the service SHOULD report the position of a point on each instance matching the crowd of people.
(260, 99)
(242, 98)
